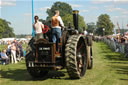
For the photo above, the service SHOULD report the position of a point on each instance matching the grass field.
(110, 68)
(3, 47)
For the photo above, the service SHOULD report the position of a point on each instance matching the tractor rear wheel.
(30, 52)
(76, 58)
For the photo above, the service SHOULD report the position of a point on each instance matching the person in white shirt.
(56, 23)
(4, 56)
(13, 53)
(85, 32)
(38, 27)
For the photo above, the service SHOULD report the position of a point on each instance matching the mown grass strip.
(110, 68)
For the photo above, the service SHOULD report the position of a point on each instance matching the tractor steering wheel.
(45, 30)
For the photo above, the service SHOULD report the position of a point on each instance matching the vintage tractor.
(75, 53)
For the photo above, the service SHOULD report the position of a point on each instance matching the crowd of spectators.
(120, 40)
(4, 42)
(117, 42)
(123, 39)
(12, 53)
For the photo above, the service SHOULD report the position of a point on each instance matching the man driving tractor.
(56, 23)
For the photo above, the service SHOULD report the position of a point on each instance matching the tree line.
(103, 25)
(5, 29)
(66, 14)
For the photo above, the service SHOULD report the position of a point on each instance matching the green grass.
(110, 68)
(24, 46)
(3, 47)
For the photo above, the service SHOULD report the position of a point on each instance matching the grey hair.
(56, 11)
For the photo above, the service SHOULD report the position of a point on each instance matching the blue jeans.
(56, 35)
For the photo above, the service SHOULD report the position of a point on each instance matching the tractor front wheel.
(90, 57)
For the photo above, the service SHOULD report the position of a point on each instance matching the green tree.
(8, 33)
(2, 27)
(82, 23)
(105, 23)
(91, 27)
(5, 29)
(63, 7)
(69, 19)
(66, 14)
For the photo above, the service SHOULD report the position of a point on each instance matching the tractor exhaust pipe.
(76, 19)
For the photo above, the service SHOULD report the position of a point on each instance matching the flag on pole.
(118, 27)
(114, 31)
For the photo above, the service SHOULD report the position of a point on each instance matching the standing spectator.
(5, 57)
(13, 53)
(15, 43)
(17, 49)
(9, 48)
(122, 40)
(21, 49)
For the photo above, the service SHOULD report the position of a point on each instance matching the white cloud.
(115, 17)
(27, 14)
(84, 10)
(41, 12)
(124, 16)
(109, 0)
(109, 6)
(116, 9)
(8, 0)
(120, 17)
(44, 8)
(119, 0)
(100, 1)
(112, 1)
(75, 5)
(8, 3)
(125, 12)
(94, 7)
(30, 14)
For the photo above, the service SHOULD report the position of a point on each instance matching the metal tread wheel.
(76, 60)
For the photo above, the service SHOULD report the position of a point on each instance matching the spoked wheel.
(90, 58)
(76, 60)
(81, 58)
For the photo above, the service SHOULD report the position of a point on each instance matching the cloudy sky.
(19, 12)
